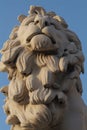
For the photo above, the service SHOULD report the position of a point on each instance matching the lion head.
(39, 56)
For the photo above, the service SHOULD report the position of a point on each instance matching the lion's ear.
(21, 18)
(37, 10)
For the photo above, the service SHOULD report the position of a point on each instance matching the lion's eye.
(46, 23)
(56, 26)
(53, 24)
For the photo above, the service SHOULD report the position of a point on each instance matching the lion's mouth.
(29, 38)
(45, 46)
(49, 51)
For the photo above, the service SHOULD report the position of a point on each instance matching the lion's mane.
(39, 54)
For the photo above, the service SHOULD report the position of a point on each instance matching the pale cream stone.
(44, 60)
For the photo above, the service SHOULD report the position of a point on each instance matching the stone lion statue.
(43, 59)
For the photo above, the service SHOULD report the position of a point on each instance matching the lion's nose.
(42, 21)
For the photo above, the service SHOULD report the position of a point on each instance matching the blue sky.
(73, 11)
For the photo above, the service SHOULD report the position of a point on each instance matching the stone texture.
(44, 60)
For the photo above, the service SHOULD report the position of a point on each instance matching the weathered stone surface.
(43, 59)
